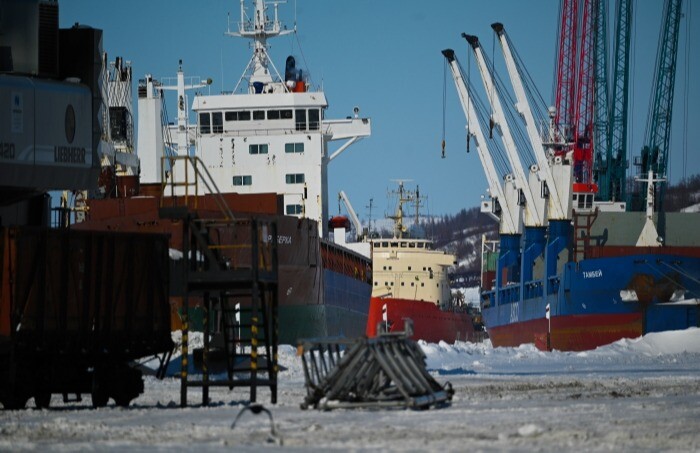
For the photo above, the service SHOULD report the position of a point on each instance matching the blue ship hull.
(615, 292)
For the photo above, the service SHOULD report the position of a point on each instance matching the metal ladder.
(232, 265)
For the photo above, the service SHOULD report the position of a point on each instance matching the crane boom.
(534, 212)
(353, 216)
(617, 141)
(658, 133)
(560, 188)
(602, 155)
(509, 219)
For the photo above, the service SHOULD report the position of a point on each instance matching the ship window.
(293, 209)
(217, 122)
(293, 147)
(411, 245)
(409, 268)
(422, 284)
(412, 284)
(300, 116)
(394, 244)
(385, 244)
(258, 114)
(285, 114)
(238, 116)
(204, 123)
(403, 245)
(384, 268)
(376, 283)
(258, 148)
(392, 283)
(314, 120)
(424, 269)
(295, 178)
(273, 114)
(402, 284)
(242, 180)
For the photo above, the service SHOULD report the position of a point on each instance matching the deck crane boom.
(556, 173)
(353, 216)
(509, 219)
(534, 209)
(658, 134)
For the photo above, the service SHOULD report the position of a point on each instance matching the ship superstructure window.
(217, 122)
(293, 209)
(279, 115)
(295, 178)
(258, 115)
(314, 119)
(293, 147)
(238, 116)
(257, 148)
(300, 119)
(205, 123)
(246, 180)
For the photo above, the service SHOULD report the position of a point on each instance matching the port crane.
(654, 155)
(504, 207)
(554, 171)
(611, 161)
(534, 211)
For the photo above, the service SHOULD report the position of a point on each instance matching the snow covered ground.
(633, 394)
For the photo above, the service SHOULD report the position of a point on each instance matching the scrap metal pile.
(386, 371)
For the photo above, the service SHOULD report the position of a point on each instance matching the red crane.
(574, 87)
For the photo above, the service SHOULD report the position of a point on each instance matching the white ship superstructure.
(410, 268)
(269, 135)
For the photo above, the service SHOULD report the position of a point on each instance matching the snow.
(641, 393)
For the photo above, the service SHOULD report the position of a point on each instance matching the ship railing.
(195, 171)
(313, 127)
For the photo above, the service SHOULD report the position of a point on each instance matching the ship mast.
(404, 196)
(259, 28)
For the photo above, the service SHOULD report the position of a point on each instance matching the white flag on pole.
(546, 311)
(384, 315)
(238, 312)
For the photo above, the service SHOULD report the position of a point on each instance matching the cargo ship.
(410, 282)
(570, 272)
(263, 148)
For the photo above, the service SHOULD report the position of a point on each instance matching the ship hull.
(323, 288)
(429, 322)
(624, 292)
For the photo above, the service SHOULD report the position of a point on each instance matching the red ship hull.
(569, 333)
(429, 322)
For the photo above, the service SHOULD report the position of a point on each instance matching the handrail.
(205, 177)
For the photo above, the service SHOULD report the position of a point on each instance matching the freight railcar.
(76, 309)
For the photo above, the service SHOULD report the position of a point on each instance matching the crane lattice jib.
(583, 122)
(601, 168)
(655, 153)
(566, 69)
(616, 185)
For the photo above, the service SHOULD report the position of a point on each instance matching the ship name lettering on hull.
(593, 274)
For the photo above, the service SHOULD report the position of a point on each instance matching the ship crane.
(510, 211)
(353, 216)
(555, 173)
(534, 208)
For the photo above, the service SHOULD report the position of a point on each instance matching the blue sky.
(384, 57)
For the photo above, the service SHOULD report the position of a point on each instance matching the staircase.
(231, 265)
